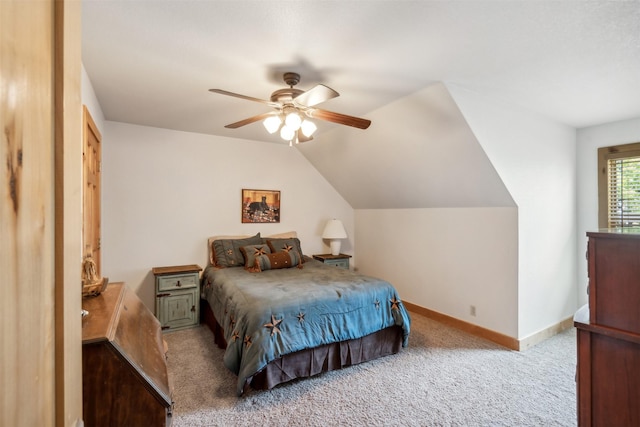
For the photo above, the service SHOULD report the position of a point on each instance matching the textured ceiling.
(152, 62)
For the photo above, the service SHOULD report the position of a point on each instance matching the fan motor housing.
(285, 96)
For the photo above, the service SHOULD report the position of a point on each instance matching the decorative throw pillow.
(226, 252)
(250, 253)
(276, 260)
(211, 239)
(278, 245)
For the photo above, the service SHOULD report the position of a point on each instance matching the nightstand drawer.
(342, 263)
(175, 282)
(341, 260)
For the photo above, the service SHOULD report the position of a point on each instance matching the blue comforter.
(272, 313)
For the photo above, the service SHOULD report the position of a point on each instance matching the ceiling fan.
(293, 107)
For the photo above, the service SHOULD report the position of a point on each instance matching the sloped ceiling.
(428, 158)
(152, 62)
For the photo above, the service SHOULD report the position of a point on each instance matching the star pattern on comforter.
(273, 325)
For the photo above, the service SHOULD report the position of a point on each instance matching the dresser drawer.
(173, 282)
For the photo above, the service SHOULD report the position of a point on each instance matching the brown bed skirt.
(313, 361)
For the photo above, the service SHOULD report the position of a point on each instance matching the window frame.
(604, 155)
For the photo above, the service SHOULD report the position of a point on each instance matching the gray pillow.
(226, 252)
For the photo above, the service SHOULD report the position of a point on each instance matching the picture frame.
(260, 206)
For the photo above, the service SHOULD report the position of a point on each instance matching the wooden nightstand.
(178, 296)
(340, 260)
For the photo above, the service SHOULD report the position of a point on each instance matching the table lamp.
(334, 231)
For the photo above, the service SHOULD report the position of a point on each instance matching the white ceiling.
(152, 62)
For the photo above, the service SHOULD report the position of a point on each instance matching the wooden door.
(92, 161)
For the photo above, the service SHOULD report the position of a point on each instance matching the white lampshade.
(334, 231)
(293, 120)
(272, 123)
(286, 133)
(308, 128)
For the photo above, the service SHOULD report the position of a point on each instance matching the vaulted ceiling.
(152, 62)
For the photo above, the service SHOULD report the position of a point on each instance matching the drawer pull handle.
(193, 308)
(178, 284)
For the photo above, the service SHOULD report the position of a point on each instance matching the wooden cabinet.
(178, 296)
(614, 279)
(340, 260)
(608, 332)
(125, 379)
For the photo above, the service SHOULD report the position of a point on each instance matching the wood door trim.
(68, 213)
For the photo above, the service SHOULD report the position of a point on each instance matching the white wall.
(589, 140)
(447, 259)
(536, 159)
(91, 101)
(165, 192)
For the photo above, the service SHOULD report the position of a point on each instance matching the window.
(619, 186)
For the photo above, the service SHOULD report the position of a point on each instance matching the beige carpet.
(444, 378)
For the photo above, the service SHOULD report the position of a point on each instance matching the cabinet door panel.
(615, 371)
(178, 309)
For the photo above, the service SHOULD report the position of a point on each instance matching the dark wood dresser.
(125, 379)
(608, 331)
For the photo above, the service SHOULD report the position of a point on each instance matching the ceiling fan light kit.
(292, 106)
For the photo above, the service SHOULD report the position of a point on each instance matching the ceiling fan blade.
(248, 121)
(248, 98)
(342, 119)
(302, 137)
(316, 95)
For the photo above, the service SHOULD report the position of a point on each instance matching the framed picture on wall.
(260, 206)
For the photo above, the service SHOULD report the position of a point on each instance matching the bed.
(281, 315)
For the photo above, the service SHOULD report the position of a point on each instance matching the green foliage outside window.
(624, 192)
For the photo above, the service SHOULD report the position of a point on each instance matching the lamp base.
(335, 246)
